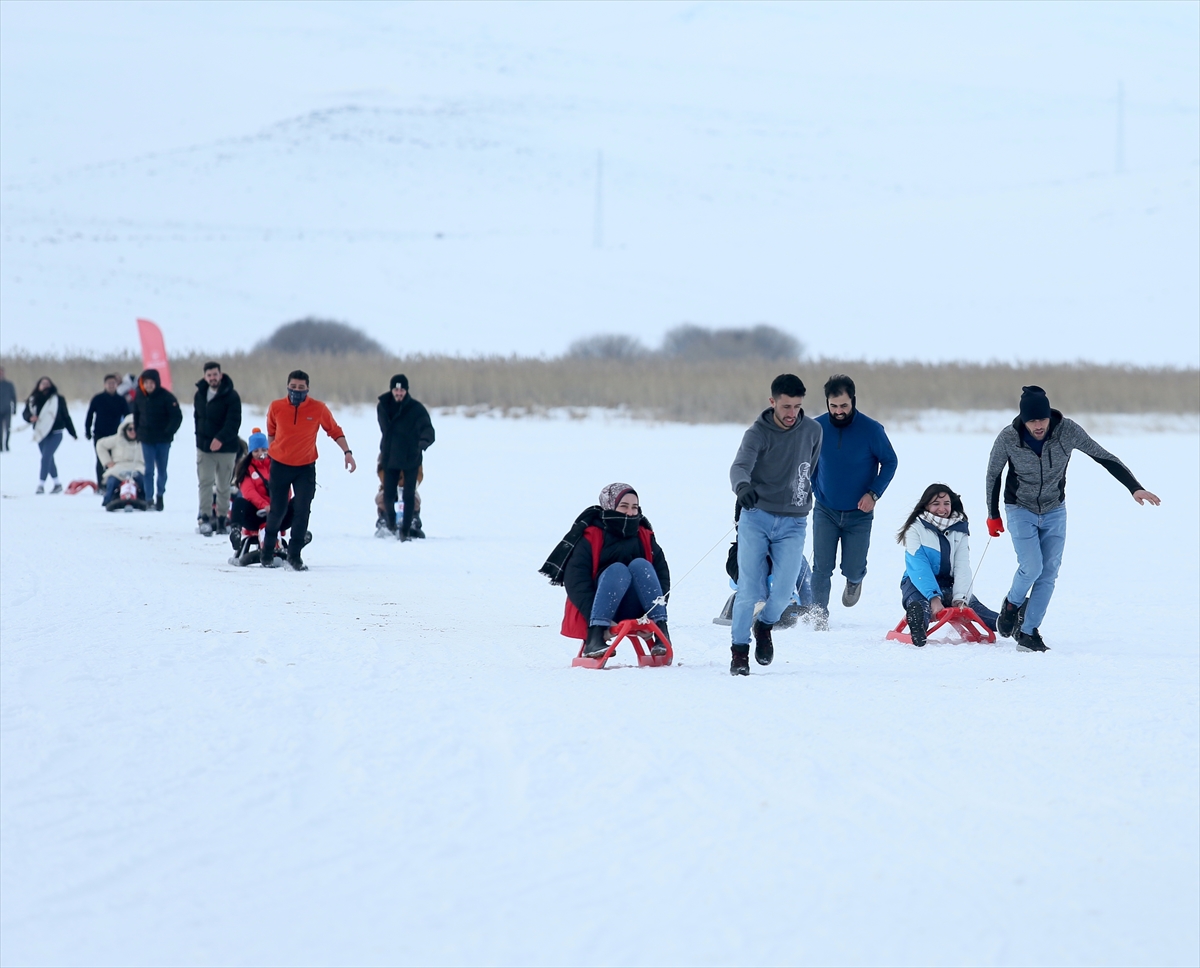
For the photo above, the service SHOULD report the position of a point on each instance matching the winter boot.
(851, 593)
(916, 623)
(820, 618)
(739, 664)
(790, 615)
(597, 642)
(295, 563)
(267, 558)
(57, 489)
(205, 527)
(764, 648)
(1030, 641)
(1008, 620)
(222, 525)
(658, 646)
(41, 489)
(158, 503)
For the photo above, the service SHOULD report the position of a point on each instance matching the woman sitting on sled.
(937, 561)
(613, 569)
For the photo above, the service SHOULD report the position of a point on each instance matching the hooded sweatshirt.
(779, 464)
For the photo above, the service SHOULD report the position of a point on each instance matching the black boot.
(1009, 618)
(1031, 642)
(764, 648)
(222, 525)
(597, 642)
(158, 503)
(659, 647)
(739, 664)
(916, 623)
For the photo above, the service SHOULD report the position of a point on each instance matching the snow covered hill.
(388, 759)
(857, 175)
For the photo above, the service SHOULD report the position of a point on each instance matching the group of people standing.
(836, 468)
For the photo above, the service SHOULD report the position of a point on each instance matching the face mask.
(297, 397)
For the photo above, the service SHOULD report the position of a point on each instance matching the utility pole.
(598, 219)
(1120, 127)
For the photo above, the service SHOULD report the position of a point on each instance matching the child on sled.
(249, 510)
(937, 562)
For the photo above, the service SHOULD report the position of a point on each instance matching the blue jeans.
(853, 529)
(113, 485)
(48, 445)
(614, 601)
(760, 534)
(1038, 540)
(155, 456)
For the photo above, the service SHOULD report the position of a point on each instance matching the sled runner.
(964, 621)
(639, 632)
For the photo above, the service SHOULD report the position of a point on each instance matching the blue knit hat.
(257, 441)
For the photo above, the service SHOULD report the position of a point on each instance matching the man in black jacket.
(407, 432)
(218, 412)
(104, 416)
(156, 418)
(8, 408)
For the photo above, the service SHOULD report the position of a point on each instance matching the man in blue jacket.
(857, 464)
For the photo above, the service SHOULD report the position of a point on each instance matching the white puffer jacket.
(125, 454)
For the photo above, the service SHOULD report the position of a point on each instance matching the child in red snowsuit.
(253, 478)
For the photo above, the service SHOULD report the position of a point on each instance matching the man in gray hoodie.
(772, 476)
(1036, 447)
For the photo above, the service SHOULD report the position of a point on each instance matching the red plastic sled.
(964, 621)
(639, 632)
(76, 486)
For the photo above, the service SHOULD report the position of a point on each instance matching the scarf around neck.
(939, 522)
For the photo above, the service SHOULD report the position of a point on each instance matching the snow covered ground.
(388, 759)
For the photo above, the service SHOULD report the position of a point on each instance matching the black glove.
(747, 496)
(262, 512)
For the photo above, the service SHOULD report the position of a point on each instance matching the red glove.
(995, 527)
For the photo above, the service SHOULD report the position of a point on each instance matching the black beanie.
(1035, 405)
(398, 380)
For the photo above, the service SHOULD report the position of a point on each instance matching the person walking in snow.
(772, 476)
(407, 432)
(217, 409)
(121, 456)
(156, 417)
(292, 425)
(857, 464)
(105, 415)
(937, 562)
(48, 413)
(1036, 448)
(8, 408)
(613, 569)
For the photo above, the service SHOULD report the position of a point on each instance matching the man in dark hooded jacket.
(156, 418)
(407, 432)
(218, 412)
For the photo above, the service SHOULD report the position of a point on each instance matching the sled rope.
(977, 569)
(662, 599)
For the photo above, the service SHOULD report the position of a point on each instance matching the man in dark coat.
(105, 413)
(218, 412)
(156, 418)
(407, 431)
(8, 408)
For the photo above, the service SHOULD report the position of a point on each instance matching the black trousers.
(302, 481)
(391, 481)
(99, 475)
(5, 426)
(243, 514)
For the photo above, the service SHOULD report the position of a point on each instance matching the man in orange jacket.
(292, 425)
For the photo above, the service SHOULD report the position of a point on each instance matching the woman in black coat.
(406, 433)
(616, 570)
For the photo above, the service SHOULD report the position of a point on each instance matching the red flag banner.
(154, 351)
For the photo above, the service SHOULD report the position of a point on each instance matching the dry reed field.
(694, 392)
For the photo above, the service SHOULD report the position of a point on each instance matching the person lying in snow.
(616, 572)
(937, 562)
(120, 455)
(252, 478)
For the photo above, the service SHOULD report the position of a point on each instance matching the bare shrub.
(694, 392)
(611, 346)
(313, 335)
(762, 342)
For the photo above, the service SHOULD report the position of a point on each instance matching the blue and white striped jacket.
(937, 559)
